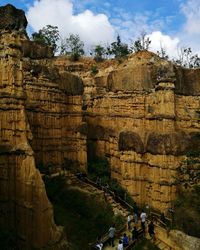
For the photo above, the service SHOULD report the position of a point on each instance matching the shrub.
(118, 49)
(187, 217)
(48, 35)
(94, 69)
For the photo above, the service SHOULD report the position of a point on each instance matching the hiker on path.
(134, 233)
(111, 234)
(125, 240)
(135, 211)
(99, 244)
(151, 230)
(120, 245)
(129, 222)
(143, 216)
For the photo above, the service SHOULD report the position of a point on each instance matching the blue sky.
(168, 23)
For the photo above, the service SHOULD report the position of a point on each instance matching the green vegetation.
(187, 204)
(82, 214)
(187, 212)
(99, 171)
(74, 47)
(94, 69)
(187, 59)
(7, 240)
(99, 53)
(48, 35)
(145, 244)
(142, 43)
(118, 49)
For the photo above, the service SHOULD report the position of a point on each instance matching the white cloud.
(93, 29)
(168, 43)
(191, 10)
(190, 33)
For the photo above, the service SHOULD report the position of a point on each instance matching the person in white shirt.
(120, 245)
(143, 216)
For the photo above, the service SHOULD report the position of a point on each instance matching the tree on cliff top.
(118, 49)
(187, 59)
(73, 46)
(142, 43)
(99, 53)
(48, 35)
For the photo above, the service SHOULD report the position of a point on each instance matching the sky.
(170, 24)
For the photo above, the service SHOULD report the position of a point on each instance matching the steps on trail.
(161, 245)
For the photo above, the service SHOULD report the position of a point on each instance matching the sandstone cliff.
(39, 109)
(142, 114)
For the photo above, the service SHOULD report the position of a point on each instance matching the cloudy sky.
(168, 23)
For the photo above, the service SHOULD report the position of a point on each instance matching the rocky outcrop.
(25, 208)
(12, 18)
(130, 141)
(39, 112)
(184, 241)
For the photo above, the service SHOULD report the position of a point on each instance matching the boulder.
(130, 141)
(176, 143)
(12, 18)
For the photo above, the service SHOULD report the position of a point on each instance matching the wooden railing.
(156, 216)
(105, 238)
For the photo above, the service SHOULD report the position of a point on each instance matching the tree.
(118, 49)
(142, 43)
(75, 47)
(187, 59)
(99, 53)
(162, 53)
(48, 35)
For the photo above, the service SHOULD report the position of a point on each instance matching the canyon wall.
(143, 115)
(39, 112)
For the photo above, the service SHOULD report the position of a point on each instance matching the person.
(111, 234)
(129, 221)
(151, 230)
(120, 245)
(162, 217)
(125, 240)
(99, 244)
(143, 216)
(134, 233)
(135, 211)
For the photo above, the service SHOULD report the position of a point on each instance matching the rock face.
(142, 114)
(39, 112)
(149, 115)
(184, 241)
(12, 18)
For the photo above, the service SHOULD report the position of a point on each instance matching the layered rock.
(142, 114)
(147, 118)
(39, 113)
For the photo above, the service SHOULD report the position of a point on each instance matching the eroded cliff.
(142, 114)
(38, 111)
